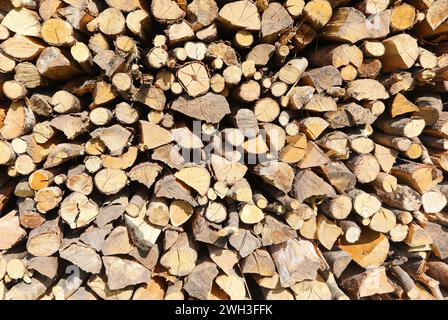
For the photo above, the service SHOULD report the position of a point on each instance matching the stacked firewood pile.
(212, 149)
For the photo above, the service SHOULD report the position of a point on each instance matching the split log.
(66, 287)
(45, 240)
(180, 259)
(401, 52)
(421, 177)
(18, 121)
(210, 107)
(371, 250)
(339, 176)
(273, 165)
(307, 184)
(169, 187)
(249, 18)
(57, 32)
(403, 198)
(351, 230)
(124, 272)
(365, 167)
(327, 232)
(194, 78)
(359, 284)
(317, 13)
(28, 291)
(303, 267)
(232, 285)
(199, 282)
(54, 64)
(98, 284)
(438, 271)
(11, 230)
(337, 29)
(142, 233)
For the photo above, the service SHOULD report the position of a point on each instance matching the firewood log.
(210, 107)
(23, 21)
(249, 20)
(317, 13)
(357, 282)
(394, 57)
(45, 240)
(407, 173)
(203, 150)
(337, 30)
(29, 291)
(438, 270)
(305, 265)
(338, 207)
(98, 284)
